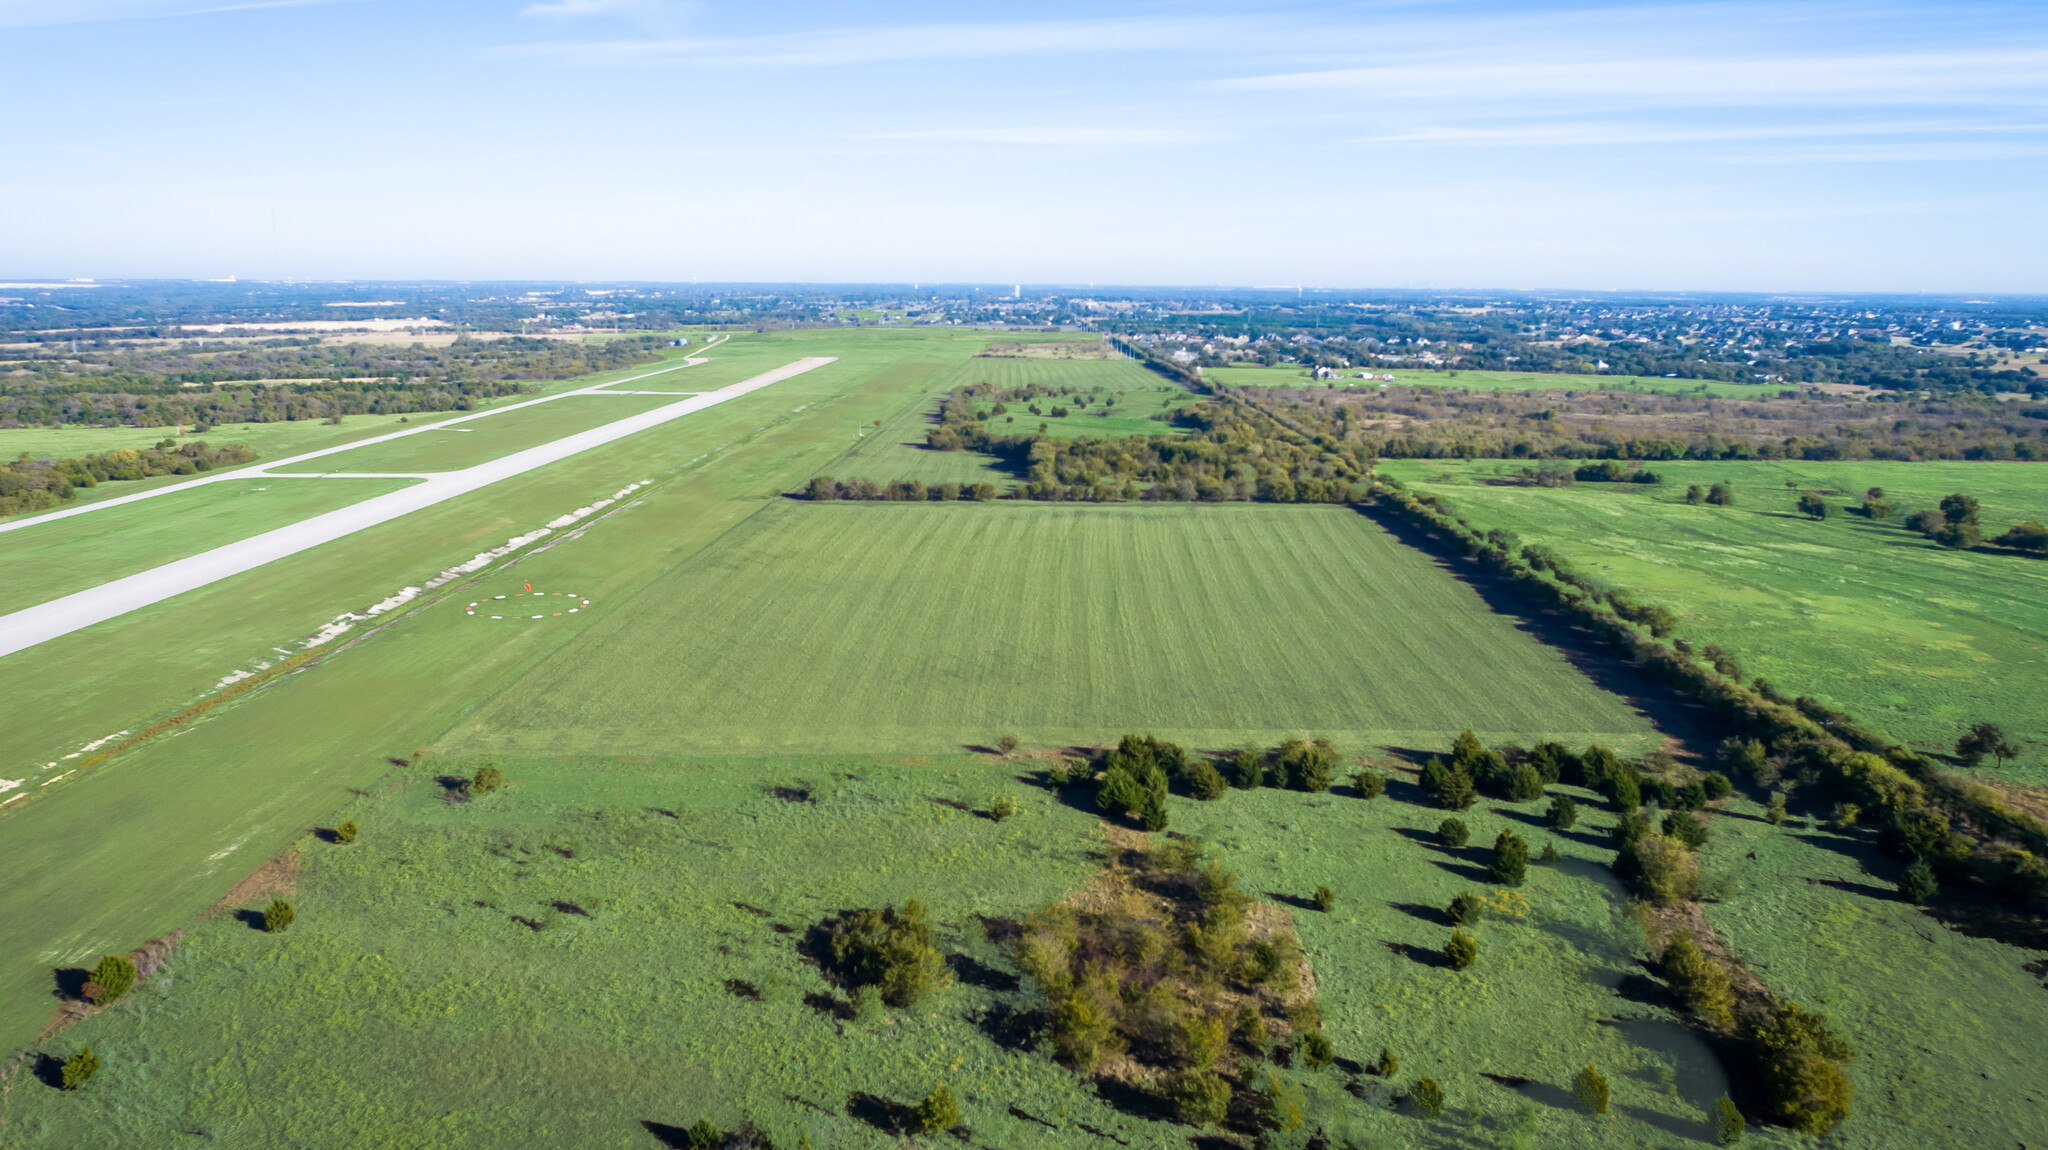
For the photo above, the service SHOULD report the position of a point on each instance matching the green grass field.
(45, 561)
(891, 627)
(482, 440)
(252, 775)
(408, 1003)
(1292, 375)
(1914, 639)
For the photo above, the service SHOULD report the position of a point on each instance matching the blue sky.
(1774, 146)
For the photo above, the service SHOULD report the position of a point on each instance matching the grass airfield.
(598, 956)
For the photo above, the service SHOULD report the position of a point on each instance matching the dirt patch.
(1054, 349)
(272, 879)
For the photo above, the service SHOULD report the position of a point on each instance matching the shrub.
(1814, 506)
(1002, 807)
(1008, 744)
(1700, 981)
(1202, 1038)
(1801, 1058)
(1153, 817)
(1727, 1122)
(1551, 761)
(1462, 951)
(1845, 816)
(111, 978)
(1082, 1031)
(1510, 861)
(1324, 898)
(1427, 1097)
(1917, 885)
(1775, 813)
(486, 780)
(1218, 887)
(1686, 828)
(1067, 773)
(1590, 1088)
(1721, 495)
(1550, 854)
(80, 1067)
(1370, 784)
(1465, 909)
(1388, 1065)
(1453, 833)
(1307, 766)
(1247, 769)
(1199, 1099)
(705, 1135)
(1317, 1050)
(1279, 1104)
(1596, 766)
(347, 831)
(1563, 813)
(1458, 792)
(889, 950)
(1525, 785)
(1207, 783)
(1251, 1028)
(278, 915)
(1717, 786)
(938, 1111)
(1624, 789)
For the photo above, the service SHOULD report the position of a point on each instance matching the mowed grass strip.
(1291, 375)
(1914, 639)
(926, 627)
(45, 561)
(481, 440)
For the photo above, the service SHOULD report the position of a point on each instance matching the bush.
(278, 915)
(1550, 854)
(1251, 1028)
(1665, 872)
(705, 1135)
(1525, 785)
(1453, 833)
(1551, 760)
(111, 978)
(1801, 1057)
(1917, 885)
(1451, 787)
(1082, 1031)
(1727, 1122)
(1388, 1065)
(1427, 1097)
(1279, 1104)
(1465, 909)
(1002, 807)
(1324, 898)
(938, 1112)
(1814, 506)
(1590, 1088)
(1686, 828)
(1624, 789)
(486, 780)
(1563, 813)
(1247, 769)
(1007, 744)
(1307, 766)
(1202, 1038)
(1370, 784)
(889, 950)
(1218, 887)
(1067, 773)
(347, 831)
(80, 1067)
(1510, 861)
(1199, 1099)
(1716, 786)
(1153, 817)
(1462, 951)
(1775, 813)
(1207, 783)
(1700, 981)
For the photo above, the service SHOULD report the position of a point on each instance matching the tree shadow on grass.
(1011, 1028)
(975, 973)
(1541, 1093)
(1423, 955)
(1433, 915)
(674, 1137)
(831, 1006)
(50, 1071)
(1293, 900)
(1128, 1099)
(71, 982)
(1464, 871)
(327, 835)
(253, 919)
(891, 1118)
(1417, 835)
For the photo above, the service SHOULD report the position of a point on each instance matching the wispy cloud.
(1051, 136)
(848, 46)
(2017, 74)
(1610, 134)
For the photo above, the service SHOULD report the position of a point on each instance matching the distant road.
(46, 621)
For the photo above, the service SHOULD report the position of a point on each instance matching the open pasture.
(1292, 375)
(614, 943)
(922, 628)
(1914, 639)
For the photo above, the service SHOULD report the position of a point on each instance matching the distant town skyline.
(1712, 147)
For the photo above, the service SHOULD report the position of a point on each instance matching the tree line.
(39, 484)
